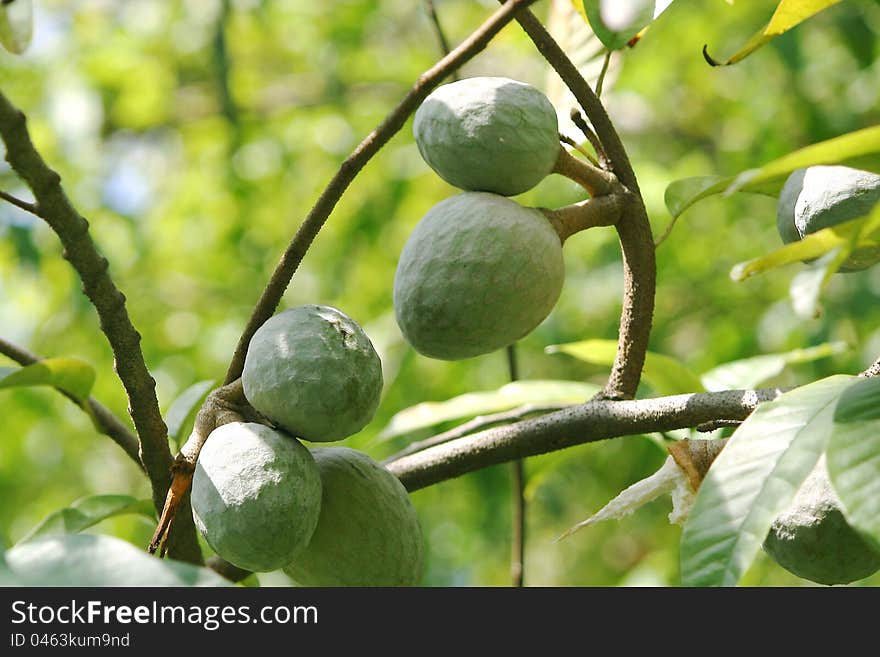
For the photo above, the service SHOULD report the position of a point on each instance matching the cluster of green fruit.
(328, 516)
(480, 271)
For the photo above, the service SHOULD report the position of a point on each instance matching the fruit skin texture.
(314, 372)
(488, 134)
(478, 272)
(256, 495)
(813, 540)
(368, 533)
(824, 196)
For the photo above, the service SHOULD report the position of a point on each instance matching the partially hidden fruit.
(813, 540)
(368, 533)
(488, 134)
(256, 495)
(824, 196)
(314, 372)
(478, 273)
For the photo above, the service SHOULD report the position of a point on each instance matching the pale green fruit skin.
(823, 196)
(488, 134)
(368, 533)
(478, 273)
(813, 540)
(314, 372)
(256, 495)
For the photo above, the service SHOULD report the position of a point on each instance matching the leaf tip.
(709, 59)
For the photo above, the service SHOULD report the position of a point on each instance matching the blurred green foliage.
(195, 135)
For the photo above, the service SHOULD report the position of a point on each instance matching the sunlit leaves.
(71, 375)
(89, 511)
(16, 25)
(618, 22)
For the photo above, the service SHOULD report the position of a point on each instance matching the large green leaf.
(788, 14)
(16, 25)
(755, 478)
(182, 412)
(617, 22)
(854, 455)
(429, 414)
(665, 374)
(91, 560)
(89, 511)
(72, 375)
(752, 372)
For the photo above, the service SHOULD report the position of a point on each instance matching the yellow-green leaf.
(16, 25)
(788, 14)
(71, 375)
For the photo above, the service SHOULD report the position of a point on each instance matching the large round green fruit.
(813, 540)
(823, 196)
(256, 495)
(368, 533)
(314, 372)
(488, 134)
(478, 273)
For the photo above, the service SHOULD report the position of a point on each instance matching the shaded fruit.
(256, 495)
(823, 196)
(368, 533)
(314, 372)
(488, 134)
(813, 540)
(478, 273)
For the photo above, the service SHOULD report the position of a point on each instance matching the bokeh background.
(195, 135)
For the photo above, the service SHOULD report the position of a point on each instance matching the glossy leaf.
(752, 372)
(860, 402)
(93, 560)
(755, 478)
(618, 22)
(429, 414)
(665, 374)
(72, 375)
(788, 14)
(16, 25)
(182, 412)
(89, 511)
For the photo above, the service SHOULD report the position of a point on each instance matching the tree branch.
(102, 418)
(55, 208)
(590, 422)
(352, 165)
(17, 202)
(634, 229)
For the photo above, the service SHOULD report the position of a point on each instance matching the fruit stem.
(595, 180)
(571, 219)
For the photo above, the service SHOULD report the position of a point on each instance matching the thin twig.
(585, 423)
(581, 124)
(601, 78)
(14, 200)
(349, 169)
(517, 497)
(72, 229)
(438, 30)
(580, 149)
(477, 424)
(102, 418)
(634, 229)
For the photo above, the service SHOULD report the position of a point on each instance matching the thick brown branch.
(590, 422)
(592, 213)
(72, 229)
(634, 229)
(102, 418)
(392, 124)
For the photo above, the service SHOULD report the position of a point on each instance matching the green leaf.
(617, 22)
(71, 375)
(854, 455)
(429, 414)
(16, 25)
(755, 478)
(665, 374)
(92, 560)
(807, 285)
(860, 402)
(682, 194)
(752, 372)
(89, 511)
(788, 14)
(859, 149)
(182, 412)
(814, 245)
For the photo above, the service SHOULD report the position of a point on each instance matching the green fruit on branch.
(813, 540)
(478, 273)
(256, 495)
(314, 372)
(824, 196)
(488, 134)
(368, 533)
